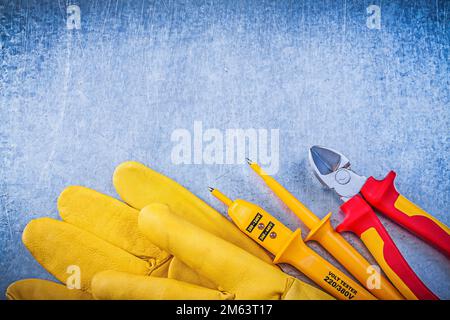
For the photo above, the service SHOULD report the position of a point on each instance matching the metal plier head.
(333, 170)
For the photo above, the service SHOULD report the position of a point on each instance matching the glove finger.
(231, 268)
(68, 252)
(110, 220)
(139, 186)
(38, 289)
(113, 285)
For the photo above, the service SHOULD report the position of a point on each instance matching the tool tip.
(314, 148)
(249, 161)
(211, 189)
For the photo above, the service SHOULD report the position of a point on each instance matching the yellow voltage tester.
(288, 247)
(332, 241)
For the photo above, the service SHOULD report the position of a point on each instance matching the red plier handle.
(383, 196)
(361, 220)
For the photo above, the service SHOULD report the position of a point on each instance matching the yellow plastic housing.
(288, 247)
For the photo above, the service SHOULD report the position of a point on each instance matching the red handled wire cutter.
(360, 194)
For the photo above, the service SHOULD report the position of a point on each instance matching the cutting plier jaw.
(333, 170)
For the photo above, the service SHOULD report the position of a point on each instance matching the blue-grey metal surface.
(77, 102)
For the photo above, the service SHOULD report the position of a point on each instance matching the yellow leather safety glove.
(236, 273)
(100, 233)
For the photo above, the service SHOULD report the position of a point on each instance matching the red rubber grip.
(359, 217)
(382, 195)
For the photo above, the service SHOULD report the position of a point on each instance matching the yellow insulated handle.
(323, 273)
(288, 247)
(375, 244)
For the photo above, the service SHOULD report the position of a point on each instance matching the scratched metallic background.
(75, 103)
